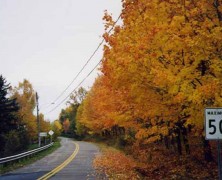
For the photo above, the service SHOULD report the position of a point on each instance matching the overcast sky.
(48, 41)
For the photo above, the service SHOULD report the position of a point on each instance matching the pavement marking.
(61, 166)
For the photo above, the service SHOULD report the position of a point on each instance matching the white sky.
(49, 41)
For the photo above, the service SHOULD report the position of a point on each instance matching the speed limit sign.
(213, 123)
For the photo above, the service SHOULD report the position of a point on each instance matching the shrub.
(12, 144)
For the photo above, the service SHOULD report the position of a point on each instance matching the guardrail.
(28, 153)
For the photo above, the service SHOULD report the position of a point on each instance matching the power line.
(90, 58)
(81, 71)
(75, 87)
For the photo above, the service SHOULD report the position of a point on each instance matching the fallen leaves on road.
(116, 165)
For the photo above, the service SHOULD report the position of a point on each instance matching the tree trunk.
(178, 138)
(217, 5)
(166, 141)
(207, 150)
(185, 140)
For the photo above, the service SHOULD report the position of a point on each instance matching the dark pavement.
(80, 168)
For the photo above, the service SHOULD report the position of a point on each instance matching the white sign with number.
(43, 134)
(213, 123)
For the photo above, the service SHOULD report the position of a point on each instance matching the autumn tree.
(25, 96)
(99, 110)
(70, 112)
(172, 48)
(66, 125)
(77, 97)
(44, 124)
(74, 102)
(81, 129)
(57, 128)
(160, 69)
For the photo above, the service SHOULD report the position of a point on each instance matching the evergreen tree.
(8, 107)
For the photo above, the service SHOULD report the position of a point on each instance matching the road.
(73, 160)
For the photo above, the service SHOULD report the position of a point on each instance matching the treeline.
(160, 69)
(68, 116)
(18, 127)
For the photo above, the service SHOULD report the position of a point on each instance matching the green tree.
(12, 144)
(8, 108)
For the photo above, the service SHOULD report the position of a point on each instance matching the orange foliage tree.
(160, 69)
(25, 96)
(66, 125)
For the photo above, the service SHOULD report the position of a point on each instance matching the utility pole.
(38, 121)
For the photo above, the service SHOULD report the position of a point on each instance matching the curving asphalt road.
(80, 168)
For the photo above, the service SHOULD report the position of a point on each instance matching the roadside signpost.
(51, 133)
(42, 134)
(213, 130)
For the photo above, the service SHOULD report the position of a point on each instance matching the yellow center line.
(61, 166)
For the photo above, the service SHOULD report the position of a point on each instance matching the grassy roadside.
(29, 160)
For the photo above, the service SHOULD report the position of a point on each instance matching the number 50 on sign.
(213, 123)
